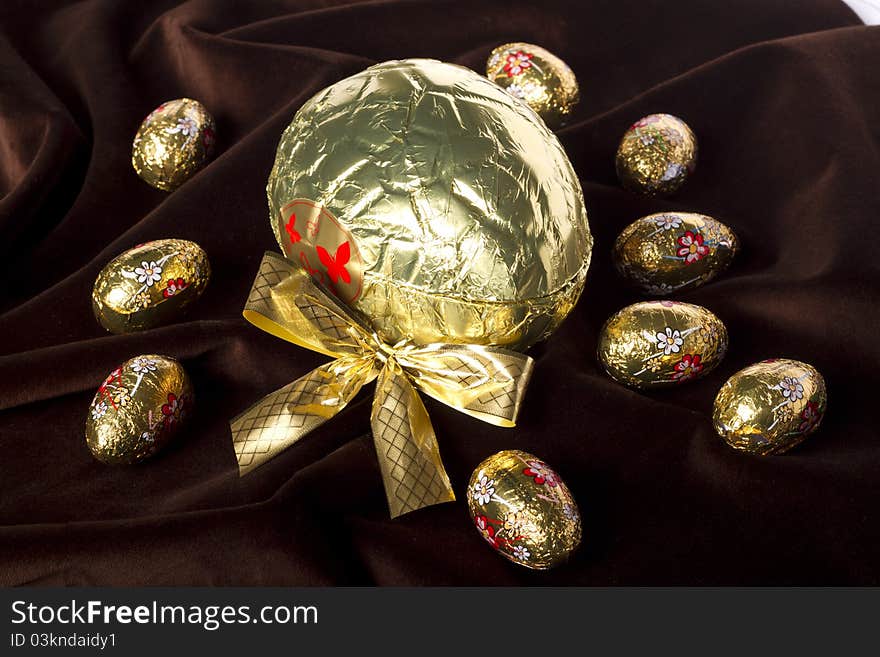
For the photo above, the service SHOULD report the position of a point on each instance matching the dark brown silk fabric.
(785, 100)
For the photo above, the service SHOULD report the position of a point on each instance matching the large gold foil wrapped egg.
(138, 409)
(656, 155)
(671, 251)
(524, 510)
(771, 406)
(149, 285)
(656, 344)
(537, 77)
(173, 142)
(436, 204)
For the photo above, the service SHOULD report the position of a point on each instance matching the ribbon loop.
(484, 382)
(287, 303)
(487, 383)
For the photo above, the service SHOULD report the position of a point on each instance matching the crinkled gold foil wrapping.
(656, 344)
(656, 155)
(771, 406)
(149, 285)
(537, 77)
(671, 251)
(173, 142)
(434, 203)
(524, 510)
(137, 409)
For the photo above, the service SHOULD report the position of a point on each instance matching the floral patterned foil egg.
(149, 285)
(655, 344)
(671, 251)
(524, 510)
(537, 77)
(656, 155)
(173, 142)
(138, 409)
(771, 406)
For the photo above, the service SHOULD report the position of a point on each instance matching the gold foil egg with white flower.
(537, 77)
(173, 143)
(658, 344)
(149, 285)
(434, 203)
(138, 408)
(771, 406)
(522, 509)
(656, 155)
(672, 251)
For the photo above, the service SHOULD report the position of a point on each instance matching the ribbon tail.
(283, 417)
(406, 446)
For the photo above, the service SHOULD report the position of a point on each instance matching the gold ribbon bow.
(487, 383)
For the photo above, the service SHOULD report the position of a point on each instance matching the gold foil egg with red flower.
(656, 155)
(173, 143)
(771, 406)
(433, 202)
(658, 344)
(149, 285)
(138, 408)
(537, 77)
(672, 251)
(522, 509)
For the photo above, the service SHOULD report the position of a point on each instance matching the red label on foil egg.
(313, 237)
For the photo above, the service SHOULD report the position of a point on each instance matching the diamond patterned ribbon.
(487, 383)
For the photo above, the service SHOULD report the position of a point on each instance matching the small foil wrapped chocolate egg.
(771, 406)
(173, 142)
(149, 285)
(656, 155)
(671, 251)
(524, 510)
(138, 409)
(656, 344)
(434, 203)
(537, 77)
